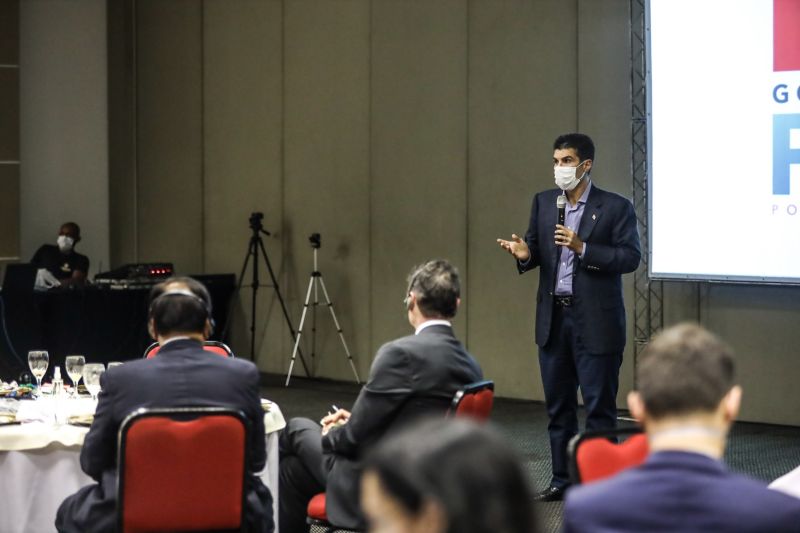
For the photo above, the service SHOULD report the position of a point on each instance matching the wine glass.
(74, 365)
(38, 361)
(91, 378)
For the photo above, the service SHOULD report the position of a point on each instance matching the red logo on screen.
(786, 35)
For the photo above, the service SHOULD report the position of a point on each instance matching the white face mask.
(566, 177)
(65, 243)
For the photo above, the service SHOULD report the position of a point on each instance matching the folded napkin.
(81, 420)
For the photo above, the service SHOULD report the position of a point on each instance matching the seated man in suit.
(182, 374)
(687, 400)
(410, 378)
(63, 263)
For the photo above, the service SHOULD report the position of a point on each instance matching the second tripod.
(314, 282)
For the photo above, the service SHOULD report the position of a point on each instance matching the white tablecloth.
(788, 483)
(40, 466)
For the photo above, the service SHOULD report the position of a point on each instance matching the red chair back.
(593, 457)
(181, 474)
(474, 400)
(219, 348)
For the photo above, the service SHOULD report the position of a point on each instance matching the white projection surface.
(724, 142)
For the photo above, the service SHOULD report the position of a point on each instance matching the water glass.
(38, 361)
(91, 377)
(74, 366)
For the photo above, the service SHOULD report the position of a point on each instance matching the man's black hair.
(582, 144)
(173, 312)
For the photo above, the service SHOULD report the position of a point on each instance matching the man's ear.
(431, 518)
(636, 406)
(732, 402)
(208, 329)
(411, 301)
(587, 165)
(151, 329)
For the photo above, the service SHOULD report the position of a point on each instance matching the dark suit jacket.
(410, 378)
(608, 227)
(679, 491)
(182, 374)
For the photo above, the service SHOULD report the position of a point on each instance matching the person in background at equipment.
(60, 265)
(446, 476)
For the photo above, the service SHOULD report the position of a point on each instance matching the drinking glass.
(38, 361)
(91, 378)
(74, 365)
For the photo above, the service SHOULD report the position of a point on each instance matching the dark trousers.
(301, 473)
(566, 365)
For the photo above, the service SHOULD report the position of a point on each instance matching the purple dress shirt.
(566, 260)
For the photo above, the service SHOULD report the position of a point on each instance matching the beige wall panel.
(327, 174)
(9, 114)
(64, 125)
(169, 134)
(9, 211)
(242, 53)
(522, 94)
(418, 157)
(604, 110)
(760, 325)
(9, 32)
(121, 133)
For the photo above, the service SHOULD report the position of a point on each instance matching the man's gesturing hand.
(516, 247)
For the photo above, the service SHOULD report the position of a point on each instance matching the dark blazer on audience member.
(411, 377)
(679, 491)
(182, 374)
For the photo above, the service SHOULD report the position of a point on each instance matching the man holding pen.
(410, 378)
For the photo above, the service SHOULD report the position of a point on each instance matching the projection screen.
(724, 140)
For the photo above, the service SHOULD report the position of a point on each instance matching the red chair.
(474, 400)
(219, 348)
(592, 456)
(182, 469)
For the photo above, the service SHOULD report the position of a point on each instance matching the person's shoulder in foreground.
(687, 400)
(679, 491)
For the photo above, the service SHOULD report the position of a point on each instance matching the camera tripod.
(315, 281)
(256, 244)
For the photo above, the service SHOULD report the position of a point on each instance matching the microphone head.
(561, 201)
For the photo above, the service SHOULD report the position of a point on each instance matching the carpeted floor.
(759, 450)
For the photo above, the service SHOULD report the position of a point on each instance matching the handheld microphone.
(561, 204)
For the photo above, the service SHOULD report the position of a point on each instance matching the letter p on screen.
(785, 150)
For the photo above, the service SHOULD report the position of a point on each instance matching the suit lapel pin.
(594, 217)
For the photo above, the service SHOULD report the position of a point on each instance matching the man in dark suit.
(411, 377)
(687, 400)
(580, 317)
(182, 374)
